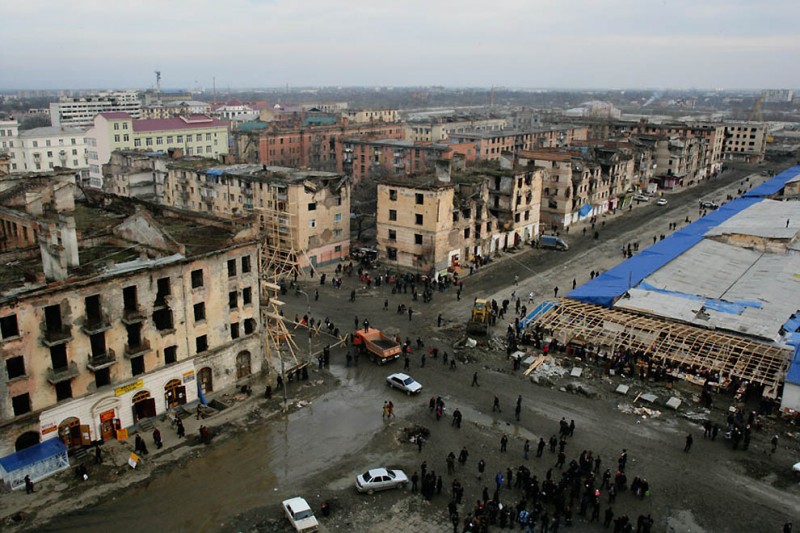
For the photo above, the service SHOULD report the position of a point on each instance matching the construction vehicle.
(380, 347)
(479, 320)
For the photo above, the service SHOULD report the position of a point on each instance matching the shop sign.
(122, 434)
(133, 460)
(108, 415)
(49, 428)
(188, 376)
(119, 391)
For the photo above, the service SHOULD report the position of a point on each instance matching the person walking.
(540, 447)
(481, 468)
(555, 292)
(98, 455)
(28, 485)
(503, 443)
(496, 405)
(689, 441)
(180, 428)
(475, 380)
(527, 448)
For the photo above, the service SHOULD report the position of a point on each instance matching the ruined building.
(114, 310)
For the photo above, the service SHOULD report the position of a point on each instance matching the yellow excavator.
(479, 319)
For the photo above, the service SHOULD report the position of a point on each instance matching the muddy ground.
(261, 456)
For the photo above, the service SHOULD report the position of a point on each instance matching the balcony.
(137, 350)
(96, 325)
(56, 337)
(101, 361)
(132, 316)
(57, 375)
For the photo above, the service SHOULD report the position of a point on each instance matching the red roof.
(115, 114)
(177, 123)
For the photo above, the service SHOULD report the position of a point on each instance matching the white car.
(796, 468)
(641, 198)
(709, 205)
(380, 479)
(300, 515)
(662, 201)
(404, 382)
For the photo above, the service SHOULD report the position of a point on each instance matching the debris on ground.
(644, 412)
(622, 389)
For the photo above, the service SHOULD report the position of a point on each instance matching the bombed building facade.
(112, 311)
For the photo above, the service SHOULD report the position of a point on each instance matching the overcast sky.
(510, 43)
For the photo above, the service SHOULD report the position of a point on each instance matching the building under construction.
(719, 297)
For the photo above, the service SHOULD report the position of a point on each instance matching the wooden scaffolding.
(730, 355)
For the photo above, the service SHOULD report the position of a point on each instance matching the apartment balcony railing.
(56, 337)
(94, 326)
(65, 373)
(137, 350)
(102, 360)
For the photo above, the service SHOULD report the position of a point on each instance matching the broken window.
(392, 194)
(98, 344)
(231, 268)
(201, 343)
(137, 366)
(419, 198)
(418, 219)
(197, 278)
(63, 390)
(163, 289)
(391, 254)
(199, 311)
(249, 326)
(312, 206)
(392, 214)
(233, 299)
(52, 318)
(129, 298)
(58, 356)
(245, 264)
(9, 327)
(94, 314)
(235, 330)
(162, 318)
(247, 296)
(134, 335)
(170, 355)
(102, 377)
(417, 238)
(21, 404)
(15, 367)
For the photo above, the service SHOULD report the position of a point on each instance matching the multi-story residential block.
(171, 109)
(309, 209)
(235, 111)
(391, 157)
(79, 112)
(192, 134)
(118, 313)
(325, 107)
(443, 221)
(440, 130)
(368, 116)
(492, 144)
(47, 148)
(319, 147)
(574, 187)
(9, 131)
(745, 141)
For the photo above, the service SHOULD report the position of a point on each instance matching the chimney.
(442, 169)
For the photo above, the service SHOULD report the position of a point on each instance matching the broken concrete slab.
(576, 372)
(649, 398)
(673, 402)
(622, 389)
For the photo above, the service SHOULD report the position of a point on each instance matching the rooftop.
(177, 123)
(50, 131)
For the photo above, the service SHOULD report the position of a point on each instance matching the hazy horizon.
(570, 45)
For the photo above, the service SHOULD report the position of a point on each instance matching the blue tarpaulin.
(34, 454)
(533, 315)
(585, 210)
(200, 394)
(606, 288)
(773, 186)
(215, 171)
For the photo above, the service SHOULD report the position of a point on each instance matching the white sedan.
(380, 479)
(641, 198)
(661, 201)
(300, 515)
(404, 382)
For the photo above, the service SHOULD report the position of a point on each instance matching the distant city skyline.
(573, 44)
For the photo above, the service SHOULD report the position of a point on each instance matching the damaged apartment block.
(113, 310)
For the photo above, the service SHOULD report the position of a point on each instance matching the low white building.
(80, 111)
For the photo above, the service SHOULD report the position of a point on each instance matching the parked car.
(404, 382)
(709, 204)
(662, 201)
(300, 515)
(641, 198)
(377, 479)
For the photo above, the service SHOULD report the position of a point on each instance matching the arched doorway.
(143, 405)
(174, 393)
(69, 431)
(205, 378)
(26, 440)
(243, 365)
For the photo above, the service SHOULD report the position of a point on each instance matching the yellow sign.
(188, 376)
(133, 460)
(119, 391)
(122, 434)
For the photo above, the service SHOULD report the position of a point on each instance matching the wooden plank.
(536, 364)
